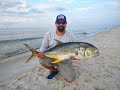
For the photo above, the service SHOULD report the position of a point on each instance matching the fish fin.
(32, 56)
(34, 53)
(58, 42)
(56, 61)
(30, 48)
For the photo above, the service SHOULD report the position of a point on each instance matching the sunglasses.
(60, 22)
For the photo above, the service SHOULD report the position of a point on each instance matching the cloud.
(106, 6)
(62, 1)
(42, 13)
(51, 7)
(16, 21)
(84, 9)
(60, 9)
(55, 8)
(10, 3)
(97, 14)
(20, 7)
(17, 7)
(111, 3)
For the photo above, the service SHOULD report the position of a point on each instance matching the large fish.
(62, 51)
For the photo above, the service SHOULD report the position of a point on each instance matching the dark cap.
(60, 18)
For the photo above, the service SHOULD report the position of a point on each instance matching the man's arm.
(44, 46)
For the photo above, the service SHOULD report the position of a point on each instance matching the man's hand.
(74, 58)
(41, 55)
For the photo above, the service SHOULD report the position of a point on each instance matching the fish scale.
(62, 51)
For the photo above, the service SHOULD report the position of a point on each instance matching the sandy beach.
(99, 73)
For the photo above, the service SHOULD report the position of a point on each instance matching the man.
(64, 68)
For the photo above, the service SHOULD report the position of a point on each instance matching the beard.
(61, 28)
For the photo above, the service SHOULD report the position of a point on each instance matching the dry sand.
(99, 73)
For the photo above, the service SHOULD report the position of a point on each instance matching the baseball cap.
(61, 18)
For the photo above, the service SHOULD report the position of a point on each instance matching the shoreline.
(22, 53)
(9, 57)
(99, 73)
(14, 65)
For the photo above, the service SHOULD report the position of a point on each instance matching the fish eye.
(76, 53)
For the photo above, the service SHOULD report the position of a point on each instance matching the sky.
(42, 13)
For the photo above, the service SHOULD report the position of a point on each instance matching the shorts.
(65, 68)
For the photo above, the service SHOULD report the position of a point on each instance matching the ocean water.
(12, 40)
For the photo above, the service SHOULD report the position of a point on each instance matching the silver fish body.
(63, 51)
(80, 50)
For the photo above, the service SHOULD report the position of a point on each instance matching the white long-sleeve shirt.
(49, 41)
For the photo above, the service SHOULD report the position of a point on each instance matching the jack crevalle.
(63, 51)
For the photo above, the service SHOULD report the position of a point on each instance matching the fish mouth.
(97, 54)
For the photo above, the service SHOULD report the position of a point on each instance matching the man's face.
(61, 25)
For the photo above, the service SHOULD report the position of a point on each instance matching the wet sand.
(15, 65)
(99, 73)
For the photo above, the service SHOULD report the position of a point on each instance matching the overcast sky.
(42, 13)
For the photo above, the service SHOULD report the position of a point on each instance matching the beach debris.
(63, 51)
